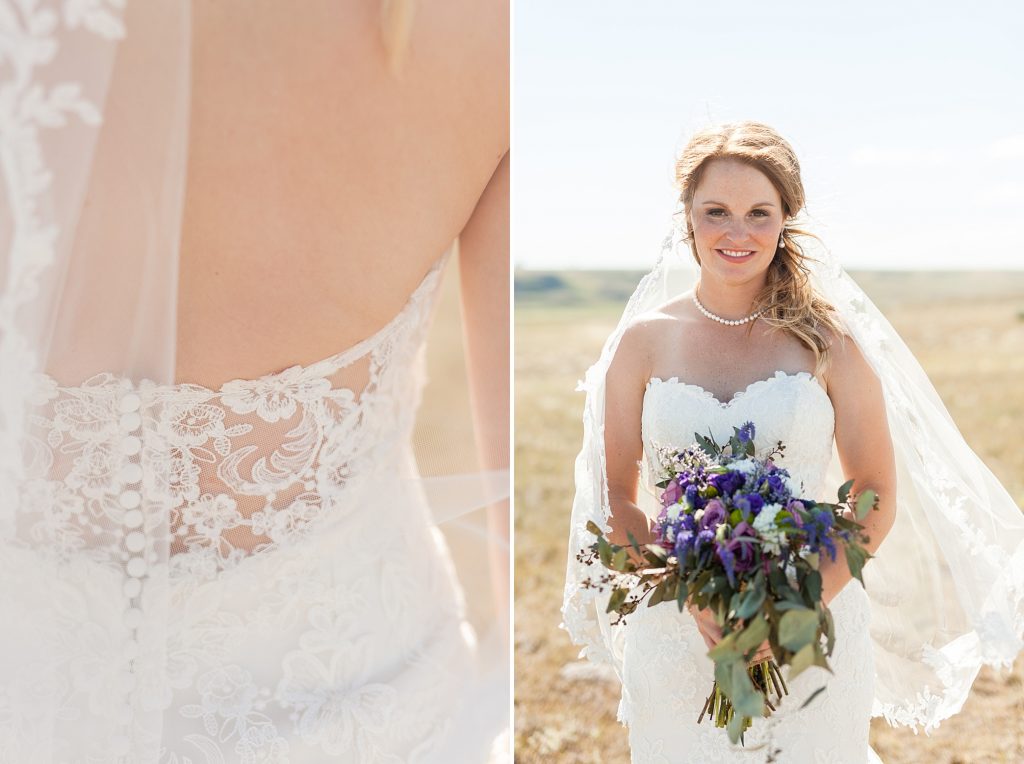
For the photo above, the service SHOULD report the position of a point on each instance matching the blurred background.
(909, 124)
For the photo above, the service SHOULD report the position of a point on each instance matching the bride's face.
(736, 209)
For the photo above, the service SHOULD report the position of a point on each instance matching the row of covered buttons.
(130, 500)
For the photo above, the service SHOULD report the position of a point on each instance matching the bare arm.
(865, 451)
(484, 278)
(623, 444)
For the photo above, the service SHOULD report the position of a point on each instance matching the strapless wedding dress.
(299, 605)
(666, 672)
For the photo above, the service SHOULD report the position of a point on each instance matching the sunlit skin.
(735, 206)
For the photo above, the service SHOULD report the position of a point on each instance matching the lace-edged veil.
(95, 100)
(947, 584)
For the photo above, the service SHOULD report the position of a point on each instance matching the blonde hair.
(396, 28)
(788, 300)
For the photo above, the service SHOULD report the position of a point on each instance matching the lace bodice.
(238, 470)
(791, 408)
(241, 574)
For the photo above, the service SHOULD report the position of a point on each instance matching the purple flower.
(746, 432)
(672, 494)
(714, 515)
(728, 483)
(728, 562)
(794, 507)
(776, 485)
(693, 497)
(817, 529)
(741, 546)
(751, 502)
(684, 543)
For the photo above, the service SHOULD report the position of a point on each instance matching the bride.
(228, 529)
(770, 334)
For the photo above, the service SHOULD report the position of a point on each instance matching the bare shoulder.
(653, 327)
(848, 369)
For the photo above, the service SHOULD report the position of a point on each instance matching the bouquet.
(733, 535)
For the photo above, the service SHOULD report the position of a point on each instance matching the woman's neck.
(730, 301)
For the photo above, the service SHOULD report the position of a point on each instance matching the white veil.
(947, 583)
(94, 130)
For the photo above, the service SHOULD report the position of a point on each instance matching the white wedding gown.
(308, 610)
(666, 672)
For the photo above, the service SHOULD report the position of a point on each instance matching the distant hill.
(567, 288)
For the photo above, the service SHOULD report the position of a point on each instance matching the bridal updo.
(788, 299)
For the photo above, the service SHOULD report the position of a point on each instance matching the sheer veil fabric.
(94, 115)
(947, 584)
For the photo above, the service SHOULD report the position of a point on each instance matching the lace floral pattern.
(215, 555)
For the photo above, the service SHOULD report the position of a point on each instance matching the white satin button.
(133, 518)
(131, 445)
(129, 403)
(130, 473)
(136, 567)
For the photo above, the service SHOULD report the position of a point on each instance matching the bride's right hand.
(630, 520)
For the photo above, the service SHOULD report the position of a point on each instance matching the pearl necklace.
(719, 319)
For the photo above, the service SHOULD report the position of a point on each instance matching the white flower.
(772, 537)
(765, 520)
(746, 466)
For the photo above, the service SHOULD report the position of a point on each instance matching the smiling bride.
(746, 317)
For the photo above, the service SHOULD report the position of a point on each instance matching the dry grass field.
(967, 330)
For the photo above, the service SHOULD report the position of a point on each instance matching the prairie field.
(966, 329)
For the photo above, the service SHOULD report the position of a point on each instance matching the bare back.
(321, 188)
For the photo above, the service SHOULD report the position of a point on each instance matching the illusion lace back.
(666, 672)
(244, 574)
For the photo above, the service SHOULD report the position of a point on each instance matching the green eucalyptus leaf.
(594, 528)
(812, 587)
(803, 659)
(745, 699)
(784, 605)
(723, 672)
(735, 727)
(604, 551)
(750, 601)
(633, 542)
(830, 631)
(616, 599)
(753, 634)
(619, 559)
(844, 491)
(864, 503)
(856, 556)
(798, 628)
(821, 660)
(725, 651)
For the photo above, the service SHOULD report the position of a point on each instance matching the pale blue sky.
(907, 118)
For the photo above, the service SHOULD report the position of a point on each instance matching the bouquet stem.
(766, 678)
